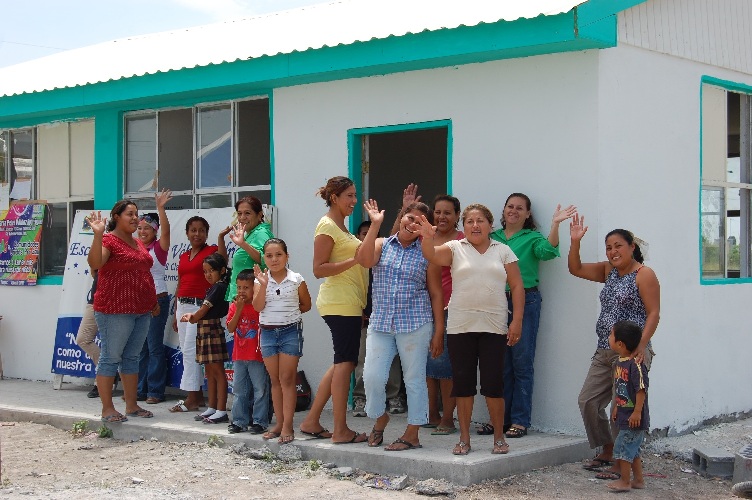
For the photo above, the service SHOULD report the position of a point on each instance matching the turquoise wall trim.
(354, 155)
(734, 87)
(462, 45)
(50, 280)
(108, 159)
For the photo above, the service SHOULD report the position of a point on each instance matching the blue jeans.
(250, 378)
(152, 365)
(122, 338)
(381, 347)
(518, 364)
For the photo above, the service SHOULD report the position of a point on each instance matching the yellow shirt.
(345, 293)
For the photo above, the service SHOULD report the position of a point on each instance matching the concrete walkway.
(37, 402)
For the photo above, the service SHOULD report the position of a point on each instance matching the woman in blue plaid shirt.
(407, 318)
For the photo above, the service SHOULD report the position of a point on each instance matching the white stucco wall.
(519, 125)
(649, 163)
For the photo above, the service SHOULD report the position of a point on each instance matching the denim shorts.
(287, 339)
(627, 444)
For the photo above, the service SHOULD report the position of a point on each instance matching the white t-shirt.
(479, 281)
(282, 300)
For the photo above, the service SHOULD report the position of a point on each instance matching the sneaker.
(396, 405)
(93, 393)
(234, 429)
(257, 429)
(359, 408)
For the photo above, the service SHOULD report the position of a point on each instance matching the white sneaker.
(359, 408)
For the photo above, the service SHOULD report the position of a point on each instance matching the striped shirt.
(282, 300)
(400, 296)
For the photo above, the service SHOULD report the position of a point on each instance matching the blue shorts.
(627, 444)
(287, 339)
(441, 367)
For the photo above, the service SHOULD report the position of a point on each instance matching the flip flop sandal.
(286, 439)
(429, 426)
(464, 448)
(408, 445)
(140, 413)
(500, 448)
(516, 432)
(444, 431)
(357, 438)
(318, 435)
(608, 475)
(114, 419)
(181, 408)
(376, 438)
(153, 400)
(271, 435)
(485, 429)
(596, 464)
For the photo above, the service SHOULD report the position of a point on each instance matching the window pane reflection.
(214, 147)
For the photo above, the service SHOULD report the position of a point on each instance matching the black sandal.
(485, 429)
(516, 432)
(376, 438)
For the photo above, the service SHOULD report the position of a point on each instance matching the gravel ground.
(40, 461)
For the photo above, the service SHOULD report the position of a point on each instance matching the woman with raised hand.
(190, 294)
(341, 300)
(249, 235)
(407, 318)
(478, 328)
(518, 231)
(152, 369)
(632, 293)
(123, 304)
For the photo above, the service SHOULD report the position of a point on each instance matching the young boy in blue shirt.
(630, 411)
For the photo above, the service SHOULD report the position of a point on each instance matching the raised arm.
(559, 217)
(439, 255)
(98, 254)
(232, 323)
(237, 235)
(221, 247)
(409, 195)
(161, 200)
(595, 271)
(369, 252)
(650, 293)
(259, 292)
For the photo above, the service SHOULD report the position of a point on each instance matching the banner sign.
(68, 358)
(20, 237)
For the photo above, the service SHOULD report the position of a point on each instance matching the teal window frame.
(739, 88)
(354, 137)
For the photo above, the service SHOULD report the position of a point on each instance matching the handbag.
(303, 389)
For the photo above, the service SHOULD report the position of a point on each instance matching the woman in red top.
(191, 291)
(123, 304)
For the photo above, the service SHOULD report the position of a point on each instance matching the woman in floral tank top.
(631, 292)
(123, 304)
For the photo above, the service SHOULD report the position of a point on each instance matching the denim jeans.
(381, 347)
(518, 364)
(250, 378)
(286, 339)
(152, 365)
(122, 337)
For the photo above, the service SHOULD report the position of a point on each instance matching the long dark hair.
(529, 222)
(218, 262)
(118, 209)
(629, 238)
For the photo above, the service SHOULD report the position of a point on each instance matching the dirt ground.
(40, 461)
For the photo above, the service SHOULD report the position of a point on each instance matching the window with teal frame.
(726, 195)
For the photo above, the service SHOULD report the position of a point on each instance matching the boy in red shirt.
(250, 376)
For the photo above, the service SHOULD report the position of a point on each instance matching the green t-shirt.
(241, 261)
(530, 247)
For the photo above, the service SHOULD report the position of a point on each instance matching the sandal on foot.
(407, 445)
(485, 429)
(271, 435)
(516, 432)
(114, 419)
(322, 434)
(376, 438)
(180, 407)
(444, 431)
(357, 438)
(461, 448)
(429, 425)
(608, 475)
(140, 413)
(151, 400)
(286, 439)
(597, 463)
(500, 447)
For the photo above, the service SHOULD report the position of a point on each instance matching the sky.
(37, 28)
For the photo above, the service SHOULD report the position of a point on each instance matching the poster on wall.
(20, 237)
(68, 358)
